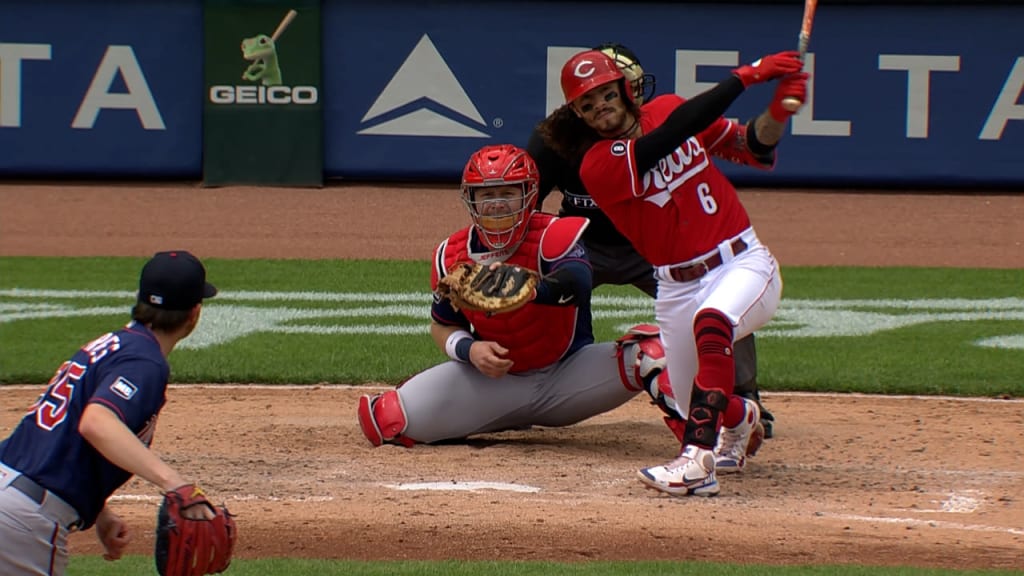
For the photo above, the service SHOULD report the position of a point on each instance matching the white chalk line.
(463, 486)
(376, 387)
(955, 500)
(929, 523)
(235, 498)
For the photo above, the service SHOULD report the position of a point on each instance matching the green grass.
(135, 565)
(322, 312)
(330, 321)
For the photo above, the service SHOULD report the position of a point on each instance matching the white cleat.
(692, 473)
(737, 443)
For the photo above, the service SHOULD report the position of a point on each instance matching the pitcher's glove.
(479, 287)
(187, 547)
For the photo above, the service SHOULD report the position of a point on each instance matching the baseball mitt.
(187, 547)
(488, 287)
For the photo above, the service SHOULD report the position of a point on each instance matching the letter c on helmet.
(580, 72)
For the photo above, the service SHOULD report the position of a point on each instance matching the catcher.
(90, 431)
(512, 312)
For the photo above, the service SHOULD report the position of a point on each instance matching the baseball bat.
(285, 22)
(790, 103)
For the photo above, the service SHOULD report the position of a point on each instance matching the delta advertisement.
(900, 94)
(100, 88)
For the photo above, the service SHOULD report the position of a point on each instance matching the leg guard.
(641, 356)
(642, 367)
(382, 418)
(706, 408)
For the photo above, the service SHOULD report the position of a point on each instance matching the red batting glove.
(769, 68)
(790, 86)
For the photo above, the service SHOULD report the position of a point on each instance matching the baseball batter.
(90, 430)
(613, 258)
(536, 365)
(650, 170)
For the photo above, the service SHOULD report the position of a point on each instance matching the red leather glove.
(769, 68)
(790, 86)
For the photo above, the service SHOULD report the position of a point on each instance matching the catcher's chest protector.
(536, 336)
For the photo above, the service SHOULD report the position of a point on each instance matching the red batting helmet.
(588, 70)
(500, 224)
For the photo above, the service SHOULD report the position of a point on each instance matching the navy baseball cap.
(174, 280)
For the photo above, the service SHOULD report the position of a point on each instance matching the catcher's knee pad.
(641, 357)
(382, 418)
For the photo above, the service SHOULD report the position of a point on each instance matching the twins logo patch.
(123, 388)
(619, 149)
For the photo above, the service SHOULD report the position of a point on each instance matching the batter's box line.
(378, 387)
(943, 524)
(235, 498)
(908, 470)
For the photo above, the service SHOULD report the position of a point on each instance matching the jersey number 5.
(52, 406)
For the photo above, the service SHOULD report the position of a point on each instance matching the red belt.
(695, 271)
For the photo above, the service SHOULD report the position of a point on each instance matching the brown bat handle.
(790, 103)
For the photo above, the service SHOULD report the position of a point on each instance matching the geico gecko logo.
(264, 70)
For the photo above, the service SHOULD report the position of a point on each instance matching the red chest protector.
(535, 335)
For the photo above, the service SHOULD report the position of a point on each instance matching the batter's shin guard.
(706, 408)
(382, 419)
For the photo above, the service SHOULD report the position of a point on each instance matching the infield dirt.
(847, 479)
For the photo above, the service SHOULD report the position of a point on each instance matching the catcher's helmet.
(588, 70)
(499, 222)
(627, 61)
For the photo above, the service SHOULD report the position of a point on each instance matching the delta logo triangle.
(424, 76)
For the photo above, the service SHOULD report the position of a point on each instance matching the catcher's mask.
(498, 216)
(629, 64)
(588, 70)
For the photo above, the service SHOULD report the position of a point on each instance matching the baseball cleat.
(737, 443)
(692, 473)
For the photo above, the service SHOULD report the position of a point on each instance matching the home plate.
(464, 486)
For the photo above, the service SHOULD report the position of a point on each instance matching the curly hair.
(569, 136)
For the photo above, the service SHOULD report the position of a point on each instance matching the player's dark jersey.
(123, 371)
(557, 172)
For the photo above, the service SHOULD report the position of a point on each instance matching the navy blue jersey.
(124, 371)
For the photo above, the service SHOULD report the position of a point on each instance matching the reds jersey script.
(688, 205)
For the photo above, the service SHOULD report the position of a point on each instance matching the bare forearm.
(111, 438)
(768, 130)
(440, 334)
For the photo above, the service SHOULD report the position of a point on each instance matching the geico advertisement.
(930, 97)
(262, 57)
(111, 97)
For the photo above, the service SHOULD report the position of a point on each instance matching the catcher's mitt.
(479, 287)
(186, 547)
